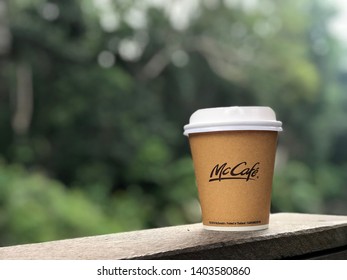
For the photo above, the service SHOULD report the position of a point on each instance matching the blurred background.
(94, 95)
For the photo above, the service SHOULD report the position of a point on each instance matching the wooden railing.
(290, 236)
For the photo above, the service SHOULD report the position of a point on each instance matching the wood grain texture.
(290, 236)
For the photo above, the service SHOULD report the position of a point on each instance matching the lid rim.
(231, 128)
(235, 123)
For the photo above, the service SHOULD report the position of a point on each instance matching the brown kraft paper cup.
(234, 171)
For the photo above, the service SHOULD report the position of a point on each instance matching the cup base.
(251, 228)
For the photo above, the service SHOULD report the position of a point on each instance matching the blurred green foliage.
(37, 209)
(94, 96)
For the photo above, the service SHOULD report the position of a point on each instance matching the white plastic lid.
(232, 118)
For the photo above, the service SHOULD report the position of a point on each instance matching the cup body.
(233, 157)
(234, 171)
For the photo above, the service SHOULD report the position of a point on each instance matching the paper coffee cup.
(233, 151)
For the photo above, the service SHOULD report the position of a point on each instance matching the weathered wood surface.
(290, 236)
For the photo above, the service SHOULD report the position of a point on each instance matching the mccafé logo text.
(241, 171)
